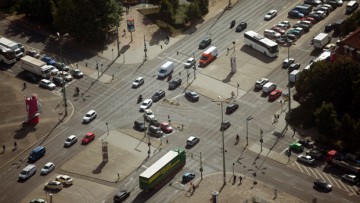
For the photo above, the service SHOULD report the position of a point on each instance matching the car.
(148, 115)
(53, 70)
(31, 77)
(291, 36)
(121, 196)
(192, 96)
(295, 14)
(329, 27)
(271, 34)
(47, 168)
(77, 73)
(89, 116)
(303, 26)
(294, 66)
(242, 26)
(313, 2)
(166, 127)
(306, 159)
(155, 131)
(146, 104)
(225, 125)
(231, 108)
(311, 19)
(260, 83)
(61, 66)
(270, 15)
(174, 83)
(286, 23)
(316, 16)
(65, 179)
(350, 178)
(192, 141)
(278, 30)
(45, 83)
(89, 137)
(33, 53)
(205, 42)
(322, 185)
(295, 32)
(323, 14)
(72, 139)
(140, 126)
(281, 26)
(58, 81)
(281, 41)
(138, 82)
(323, 8)
(306, 22)
(287, 62)
(154, 122)
(66, 76)
(158, 95)
(37, 201)
(54, 185)
(306, 143)
(275, 94)
(190, 63)
(329, 47)
(48, 60)
(188, 177)
(331, 8)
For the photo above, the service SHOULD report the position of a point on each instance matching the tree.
(326, 120)
(166, 11)
(193, 11)
(204, 6)
(39, 10)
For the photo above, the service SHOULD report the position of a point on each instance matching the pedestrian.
(234, 179)
(167, 141)
(24, 85)
(3, 147)
(118, 177)
(193, 186)
(275, 193)
(15, 145)
(124, 32)
(240, 178)
(237, 137)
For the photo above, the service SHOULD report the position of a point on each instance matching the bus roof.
(159, 164)
(6, 42)
(261, 38)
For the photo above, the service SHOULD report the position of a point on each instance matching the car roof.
(139, 78)
(191, 138)
(49, 164)
(72, 136)
(90, 112)
(147, 100)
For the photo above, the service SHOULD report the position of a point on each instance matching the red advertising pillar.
(32, 110)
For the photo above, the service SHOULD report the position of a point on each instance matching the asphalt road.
(115, 102)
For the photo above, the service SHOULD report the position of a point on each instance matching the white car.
(271, 34)
(89, 116)
(148, 114)
(53, 70)
(146, 104)
(350, 178)
(287, 62)
(329, 47)
(47, 84)
(66, 76)
(138, 82)
(286, 23)
(192, 140)
(261, 82)
(72, 139)
(270, 15)
(306, 159)
(65, 179)
(47, 168)
(190, 63)
(54, 185)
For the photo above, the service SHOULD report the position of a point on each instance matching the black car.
(192, 96)
(33, 53)
(316, 16)
(329, 27)
(315, 153)
(225, 125)
(174, 83)
(30, 77)
(306, 143)
(333, 3)
(58, 81)
(242, 26)
(322, 185)
(292, 37)
(231, 108)
(303, 26)
(139, 125)
(204, 43)
(158, 95)
(188, 177)
(154, 122)
(61, 66)
(121, 195)
(294, 66)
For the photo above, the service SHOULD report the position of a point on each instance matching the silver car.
(47, 168)
(72, 139)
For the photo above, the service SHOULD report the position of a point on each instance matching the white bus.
(7, 55)
(262, 44)
(18, 48)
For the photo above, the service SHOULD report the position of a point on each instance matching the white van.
(166, 69)
(27, 172)
(268, 87)
(351, 6)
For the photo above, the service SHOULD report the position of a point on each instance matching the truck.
(16, 47)
(35, 66)
(208, 56)
(162, 170)
(346, 162)
(268, 87)
(294, 76)
(166, 69)
(321, 40)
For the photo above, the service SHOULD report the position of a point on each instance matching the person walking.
(15, 145)
(24, 85)
(3, 148)
(240, 178)
(275, 193)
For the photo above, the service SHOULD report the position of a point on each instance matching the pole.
(261, 139)
(145, 49)
(107, 128)
(289, 82)
(223, 142)
(201, 168)
(247, 130)
(97, 68)
(63, 85)
(117, 36)
(149, 144)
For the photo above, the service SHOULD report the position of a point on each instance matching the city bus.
(16, 47)
(262, 44)
(7, 55)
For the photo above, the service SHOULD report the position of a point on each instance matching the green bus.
(161, 170)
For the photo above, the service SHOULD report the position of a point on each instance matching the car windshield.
(203, 57)
(46, 167)
(162, 71)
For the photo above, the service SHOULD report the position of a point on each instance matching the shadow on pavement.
(99, 167)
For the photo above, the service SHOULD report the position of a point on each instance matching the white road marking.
(278, 180)
(298, 188)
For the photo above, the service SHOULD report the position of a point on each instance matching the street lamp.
(60, 37)
(289, 43)
(261, 139)
(107, 128)
(247, 130)
(145, 130)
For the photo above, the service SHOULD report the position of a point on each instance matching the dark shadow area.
(252, 52)
(53, 191)
(24, 130)
(5, 67)
(316, 52)
(228, 77)
(99, 167)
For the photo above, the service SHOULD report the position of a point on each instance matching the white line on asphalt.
(299, 167)
(131, 180)
(335, 181)
(175, 60)
(306, 169)
(319, 175)
(318, 197)
(278, 180)
(347, 200)
(352, 189)
(298, 188)
(287, 174)
(312, 170)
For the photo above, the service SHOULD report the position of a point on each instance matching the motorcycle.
(139, 98)
(232, 24)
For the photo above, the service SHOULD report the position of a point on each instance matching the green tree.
(326, 120)
(39, 10)
(204, 6)
(166, 11)
(193, 11)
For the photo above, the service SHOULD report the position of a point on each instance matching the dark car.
(31, 77)
(294, 66)
(307, 143)
(242, 26)
(61, 66)
(204, 43)
(188, 177)
(295, 14)
(333, 3)
(48, 60)
(192, 96)
(33, 53)
(291, 36)
(317, 16)
(225, 125)
(58, 81)
(121, 196)
(315, 153)
(154, 122)
(303, 26)
(322, 185)
(139, 125)
(174, 83)
(77, 73)
(231, 108)
(158, 95)
(329, 27)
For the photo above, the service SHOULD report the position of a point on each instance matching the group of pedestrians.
(15, 146)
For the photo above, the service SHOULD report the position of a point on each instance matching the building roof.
(353, 39)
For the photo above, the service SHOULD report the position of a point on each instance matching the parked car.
(322, 185)
(121, 196)
(295, 14)
(58, 81)
(312, 2)
(48, 60)
(89, 137)
(287, 62)
(306, 159)
(192, 96)
(33, 53)
(188, 177)
(275, 94)
(65, 179)
(329, 27)
(303, 26)
(329, 47)
(225, 125)
(146, 104)
(292, 37)
(294, 66)
(89, 116)
(306, 143)
(190, 63)
(61, 66)
(154, 122)
(77, 73)
(271, 34)
(260, 83)
(286, 23)
(138, 82)
(47, 84)
(66, 76)
(31, 77)
(53, 70)
(155, 131)
(231, 108)
(315, 153)
(350, 178)
(47, 168)
(72, 139)
(174, 83)
(205, 42)
(278, 30)
(242, 26)
(192, 141)
(158, 95)
(54, 185)
(166, 127)
(270, 15)
(38, 201)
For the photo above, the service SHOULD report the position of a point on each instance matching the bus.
(262, 44)
(7, 55)
(164, 168)
(16, 47)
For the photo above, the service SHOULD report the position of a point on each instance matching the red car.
(275, 94)
(312, 20)
(90, 136)
(165, 127)
(278, 30)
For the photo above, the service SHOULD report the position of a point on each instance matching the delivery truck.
(35, 66)
(166, 69)
(321, 40)
(208, 56)
(294, 76)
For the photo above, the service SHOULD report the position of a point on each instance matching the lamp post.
(247, 130)
(289, 43)
(107, 128)
(60, 37)
(149, 143)
(261, 139)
